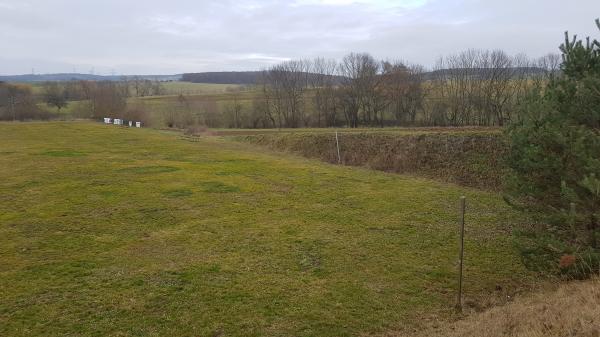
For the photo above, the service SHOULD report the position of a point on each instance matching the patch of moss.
(63, 153)
(178, 193)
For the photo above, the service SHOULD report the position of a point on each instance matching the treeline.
(233, 77)
(17, 103)
(133, 86)
(104, 99)
(474, 87)
(93, 99)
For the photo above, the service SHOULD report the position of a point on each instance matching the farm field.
(188, 88)
(197, 95)
(171, 88)
(200, 94)
(108, 231)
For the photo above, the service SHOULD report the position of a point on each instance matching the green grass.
(149, 235)
(62, 153)
(188, 88)
(71, 111)
(149, 169)
(218, 187)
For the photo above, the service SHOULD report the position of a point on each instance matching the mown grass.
(150, 235)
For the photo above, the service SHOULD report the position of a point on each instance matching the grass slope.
(106, 231)
(571, 310)
(466, 156)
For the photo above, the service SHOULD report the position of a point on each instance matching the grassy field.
(72, 110)
(213, 94)
(188, 88)
(171, 88)
(108, 231)
(195, 93)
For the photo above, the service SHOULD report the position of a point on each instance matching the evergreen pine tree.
(554, 150)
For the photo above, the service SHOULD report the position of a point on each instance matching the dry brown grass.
(571, 310)
(461, 156)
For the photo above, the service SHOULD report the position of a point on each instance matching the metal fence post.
(337, 144)
(461, 253)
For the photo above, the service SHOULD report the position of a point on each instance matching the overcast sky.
(175, 36)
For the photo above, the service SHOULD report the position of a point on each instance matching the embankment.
(571, 310)
(468, 158)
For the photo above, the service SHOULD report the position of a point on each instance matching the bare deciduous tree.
(359, 78)
(233, 109)
(55, 95)
(404, 89)
(325, 99)
(17, 103)
(474, 87)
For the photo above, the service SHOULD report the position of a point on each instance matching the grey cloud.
(184, 35)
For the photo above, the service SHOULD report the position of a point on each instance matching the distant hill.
(246, 77)
(252, 77)
(82, 77)
(232, 77)
(223, 77)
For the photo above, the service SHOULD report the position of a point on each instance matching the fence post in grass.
(461, 252)
(337, 144)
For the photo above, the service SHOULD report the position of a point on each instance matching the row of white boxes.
(118, 121)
